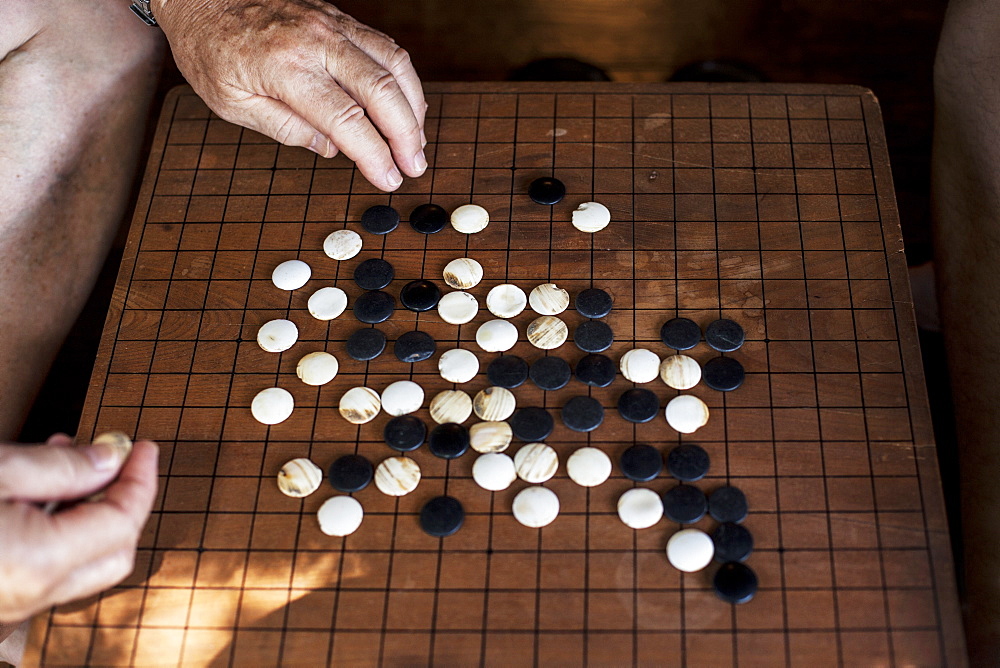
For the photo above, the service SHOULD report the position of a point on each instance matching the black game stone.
(596, 370)
(733, 542)
(547, 190)
(531, 424)
(442, 516)
(373, 274)
(420, 295)
(380, 219)
(350, 473)
(374, 306)
(404, 433)
(641, 462)
(724, 374)
(414, 346)
(684, 504)
(680, 333)
(449, 440)
(583, 414)
(638, 405)
(688, 462)
(728, 504)
(508, 371)
(593, 336)
(735, 582)
(550, 373)
(365, 344)
(593, 303)
(428, 219)
(725, 335)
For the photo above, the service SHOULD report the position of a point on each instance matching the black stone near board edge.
(404, 433)
(550, 373)
(374, 307)
(641, 462)
(688, 462)
(442, 516)
(546, 190)
(507, 371)
(414, 346)
(724, 374)
(428, 219)
(684, 504)
(374, 274)
(680, 333)
(531, 424)
(365, 344)
(638, 405)
(593, 303)
(350, 473)
(380, 219)
(593, 336)
(448, 440)
(420, 295)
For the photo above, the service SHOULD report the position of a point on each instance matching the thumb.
(56, 471)
(278, 121)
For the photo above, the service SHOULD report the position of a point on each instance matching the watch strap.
(142, 9)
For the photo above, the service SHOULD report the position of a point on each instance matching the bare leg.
(966, 170)
(76, 80)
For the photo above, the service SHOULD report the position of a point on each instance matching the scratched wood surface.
(771, 205)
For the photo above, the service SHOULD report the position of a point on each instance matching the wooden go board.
(769, 205)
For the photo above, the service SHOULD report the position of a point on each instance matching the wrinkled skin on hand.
(305, 74)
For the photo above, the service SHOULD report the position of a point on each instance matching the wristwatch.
(142, 9)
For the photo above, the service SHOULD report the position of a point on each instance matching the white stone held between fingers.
(547, 332)
(494, 404)
(496, 336)
(640, 508)
(494, 471)
(458, 308)
(342, 244)
(680, 372)
(458, 365)
(291, 275)
(360, 405)
(317, 368)
(506, 300)
(536, 462)
(402, 398)
(451, 406)
(591, 217)
(327, 303)
(277, 336)
(299, 478)
(397, 476)
(470, 218)
(536, 507)
(463, 273)
(272, 406)
(686, 413)
(548, 299)
(640, 365)
(588, 466)
(690, 550)
(340, 516)
(117, 440)
(490, 436)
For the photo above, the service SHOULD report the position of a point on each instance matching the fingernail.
(394, 177)
(423, 139)
(103, 456)
(320, 144)
(420, 162)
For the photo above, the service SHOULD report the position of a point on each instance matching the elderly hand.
(48, 559)
(305, 74)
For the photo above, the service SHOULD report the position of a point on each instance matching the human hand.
(305, 74)
(48, 559)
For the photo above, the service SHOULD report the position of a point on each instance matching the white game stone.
(490, 436)
(588, 467)
(397, 476)
(496, 336)
(272, 406)
(342, 244)
(547, 332)
(640, 508)
(463, 273)
(536, 462)
(458, 308)
(470, 218)
(327, 303)
(536, 507)
(690, 550)
(360, 405)
(340, 516)
(277, 336)
(548, 299)
(640, 365)
(317, 368)
(451, 406)
(299, 478)
(402, 398)
(591, 217)
(680, 372)
(458, 365)
(291, 275)
(506, 300)
(494, 404)
(686, 413)
(494, 471)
